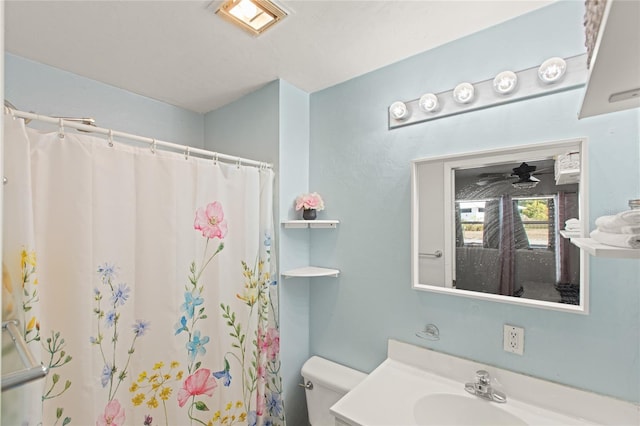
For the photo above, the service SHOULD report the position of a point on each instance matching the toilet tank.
(331, 381)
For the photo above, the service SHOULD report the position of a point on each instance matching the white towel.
(632, 217)
(621, 223)
(630, 229)
(617, 240)
(572, 225)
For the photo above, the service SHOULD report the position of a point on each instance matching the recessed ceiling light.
(254, 16)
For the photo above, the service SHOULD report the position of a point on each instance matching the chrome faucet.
(482, 388)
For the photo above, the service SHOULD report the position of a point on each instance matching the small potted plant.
(309, 204)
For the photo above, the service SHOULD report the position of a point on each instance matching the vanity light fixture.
(552, 70)
(253, 16)
(429, 102)
(399, 110)
(505, 82)
(554, 75)
(464, 93)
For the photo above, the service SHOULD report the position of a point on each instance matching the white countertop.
(387, 397)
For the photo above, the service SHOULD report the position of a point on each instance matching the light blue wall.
(247, 127)
(362, 170)
(32, 86)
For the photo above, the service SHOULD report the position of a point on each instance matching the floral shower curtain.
(156, 297)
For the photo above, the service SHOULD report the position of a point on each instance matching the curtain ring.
(153, 146)
(215, 158)
(186, 153)
(110, 138)
(238, 164)
(61, 129)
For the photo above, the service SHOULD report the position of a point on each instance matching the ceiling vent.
(253, 16)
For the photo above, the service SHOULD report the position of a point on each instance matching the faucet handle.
(482, 376)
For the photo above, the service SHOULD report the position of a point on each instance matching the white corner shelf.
(569, 234)
(597, 249)
(310, 272)
(310, 223)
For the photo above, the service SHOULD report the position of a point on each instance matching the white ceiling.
(181, 53)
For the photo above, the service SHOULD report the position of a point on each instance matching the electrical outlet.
(513, 339)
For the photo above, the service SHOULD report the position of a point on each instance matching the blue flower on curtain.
(110, 318)
(274, 404)
(107, 272)
(140, 327)
(107, 373)
(196, 345)
(224, 374)
(119, 294)
(252, 418)
(181, 325)
(190, 303)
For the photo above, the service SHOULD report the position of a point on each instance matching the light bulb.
(429, 102)
(399, 110)
(248, 9)
(505, 82)
(552, 70)
(463, 93)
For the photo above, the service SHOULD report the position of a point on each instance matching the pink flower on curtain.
(113, 415)
(269, 342)
(261, 404)
(199, 383)
(210, 220)
(261, 372)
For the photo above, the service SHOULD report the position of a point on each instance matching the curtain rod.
(153, 143)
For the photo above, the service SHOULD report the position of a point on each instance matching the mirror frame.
(508, 154)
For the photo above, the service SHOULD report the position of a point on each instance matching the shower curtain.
(150, 288)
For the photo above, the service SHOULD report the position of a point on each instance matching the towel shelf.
(565, 233)
(597, 249)
(32, 370)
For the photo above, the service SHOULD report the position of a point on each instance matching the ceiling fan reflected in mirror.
(524, 173)
(522, 176)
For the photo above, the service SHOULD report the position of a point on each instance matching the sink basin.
(450, 409)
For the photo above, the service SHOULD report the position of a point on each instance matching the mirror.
(497, 225)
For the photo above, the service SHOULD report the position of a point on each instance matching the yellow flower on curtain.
(33, 323)
(157, 386)
(233, 414)
(8, 302)
(31, 330)
(255, 284)
(28, 258)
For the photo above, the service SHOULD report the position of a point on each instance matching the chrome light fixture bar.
(554, 75)
(253, 16)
